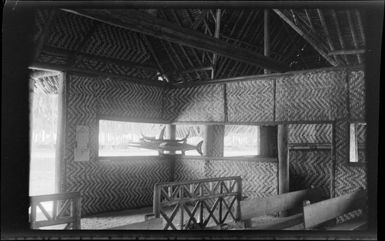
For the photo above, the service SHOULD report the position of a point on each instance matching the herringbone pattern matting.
(109, 185)
(310, 133)
(189, 169)
(249, 101)
(202, 103)
(357, 95)
(318, 98)
(310, 168)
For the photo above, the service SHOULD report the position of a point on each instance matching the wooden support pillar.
(268, 141)
(283, 160)
(213, 140)
(266, 37)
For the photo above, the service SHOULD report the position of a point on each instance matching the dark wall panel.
(250, 101)
(357, 95)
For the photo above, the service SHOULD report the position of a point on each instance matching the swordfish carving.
(169, 145)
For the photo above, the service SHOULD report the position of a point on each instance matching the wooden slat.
(320, 212)
(151, 224)
(147, 24)
(269, 205)
(312, 40)
(353, 33)
(279, 223)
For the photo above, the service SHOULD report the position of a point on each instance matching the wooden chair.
(66, 209)
(253, 210)
(317, 214)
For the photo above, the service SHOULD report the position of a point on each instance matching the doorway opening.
(46, 93)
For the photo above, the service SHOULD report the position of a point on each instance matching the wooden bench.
(66, 209)
(150, 224)
(317, 214)
(254, 211)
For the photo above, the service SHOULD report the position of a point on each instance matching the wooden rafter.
(69, 53)
(200, 19)
(340, 39)
(216, 35)
(266, 36)
(147, 24)
(360, 26)
(312, 40)
(352, 32)
(309, 20)
(347, 52)
(327, 34)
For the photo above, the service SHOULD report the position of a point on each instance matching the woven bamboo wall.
(110, 185)
(259, 176)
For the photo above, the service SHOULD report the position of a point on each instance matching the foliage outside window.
(115, 137)
(241, 140)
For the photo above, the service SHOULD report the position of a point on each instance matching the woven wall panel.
(250, 101)
(347, 178)
(51, 58)
(259, 179)
(202, 103)
(357, 95)
(189, 169)
(310, 168)
(310, 133)
(115, 185)
(40, 21)
(311, 96)
(68, 30)
(108, 186)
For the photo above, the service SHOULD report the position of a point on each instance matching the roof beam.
(326, 31)
(346, 52)
(312, 40)
(340, 39)
(201, 17)
(351, 28)
(159, 28)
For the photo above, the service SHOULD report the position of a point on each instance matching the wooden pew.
(150, 224)
(253, 210)
(317, 214)
(66, 209)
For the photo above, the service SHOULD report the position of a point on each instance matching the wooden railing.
(216, 198)
(66, 209)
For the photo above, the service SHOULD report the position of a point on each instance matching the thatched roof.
(299, 39)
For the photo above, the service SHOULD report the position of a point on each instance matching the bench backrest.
(320, 212)
(263, 206)
(66, 209)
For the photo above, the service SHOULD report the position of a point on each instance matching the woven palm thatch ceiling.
(187, 45)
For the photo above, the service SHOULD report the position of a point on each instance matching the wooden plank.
(151, 224)
(56, 196)
(269, 205)
(266, 37)
(147, 24)
(320, 212)
(283, 159)
(278, 223)
(354, 224)
(313, 41)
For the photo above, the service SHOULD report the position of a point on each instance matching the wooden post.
(156, 201)
(283, 160)
(267, 141)
(213, 140)
(266, 37)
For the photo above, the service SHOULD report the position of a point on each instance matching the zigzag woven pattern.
(259, 179)
(250, 101)
(314, 100)
(202, 103)
(189, 169)
(50, 58)
(68, 30)
(94, 64)
(347, 178)
(40, 21)
(114, 185)
(310, 133)
(109, 41)
(310, 168)
(107, 186)
(357, 94)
